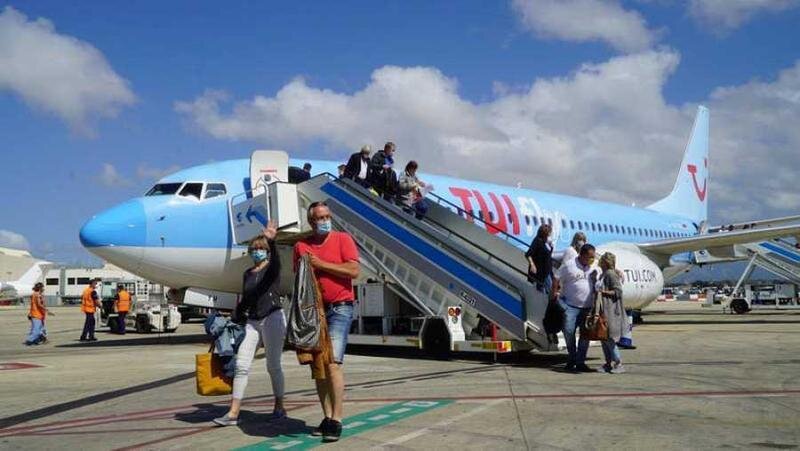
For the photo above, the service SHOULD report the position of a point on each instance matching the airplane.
(23, 287)
(179, 234)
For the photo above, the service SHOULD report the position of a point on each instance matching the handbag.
(595, 326)
(210, 376)
(303, 326)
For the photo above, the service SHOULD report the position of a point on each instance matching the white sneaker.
(618, 369)
(226, 421)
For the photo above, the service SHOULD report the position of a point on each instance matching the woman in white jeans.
(261, 306)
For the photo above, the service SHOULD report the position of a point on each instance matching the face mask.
(591, 261)
(324, 227)
(579, 244)
(259, 255)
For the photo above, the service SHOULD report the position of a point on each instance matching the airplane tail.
(34, 273)
(689, 196)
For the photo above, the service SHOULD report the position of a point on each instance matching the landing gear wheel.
(740, 306)
(436, 338)
(637, 317)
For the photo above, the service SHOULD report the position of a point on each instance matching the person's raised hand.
(271, 230)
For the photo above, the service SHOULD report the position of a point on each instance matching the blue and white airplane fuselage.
(179, 233)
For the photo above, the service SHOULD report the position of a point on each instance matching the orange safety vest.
(36, 310)
(87, 303)
(124, 302)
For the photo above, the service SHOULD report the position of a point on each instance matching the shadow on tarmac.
(165, 339)
(89, 400)
(251, 423)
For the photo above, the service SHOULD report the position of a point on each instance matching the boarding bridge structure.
(439, 262)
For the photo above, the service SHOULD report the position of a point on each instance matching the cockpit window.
(164, 189)
(192, 190)
(215, 190)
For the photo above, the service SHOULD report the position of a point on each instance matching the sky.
(592, 98)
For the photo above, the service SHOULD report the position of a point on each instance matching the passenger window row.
(588, 226)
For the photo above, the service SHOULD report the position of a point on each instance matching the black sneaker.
(333, 432)
(323, 426)
(583, 368)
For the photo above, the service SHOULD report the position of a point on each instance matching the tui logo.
(701, 193)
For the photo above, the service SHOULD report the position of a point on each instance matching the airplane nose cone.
(123, 225)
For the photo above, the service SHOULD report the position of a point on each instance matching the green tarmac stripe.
(352, 425)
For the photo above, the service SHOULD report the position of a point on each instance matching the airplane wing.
(760, 224)
(718, 240)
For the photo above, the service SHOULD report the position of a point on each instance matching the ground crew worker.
(89, 304)
(122, 304)
(37, 315)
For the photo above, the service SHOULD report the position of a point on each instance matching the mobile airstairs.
(454, 274)
(778, 256)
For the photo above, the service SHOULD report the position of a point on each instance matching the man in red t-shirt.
(334, 257)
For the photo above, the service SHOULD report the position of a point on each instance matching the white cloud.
(755, 144)
(13, 240)
(725, 15)
(111, 177)
(58, 73)
(603, 131)
(587, 20)
(145, 172)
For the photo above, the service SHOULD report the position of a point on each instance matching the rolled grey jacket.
(613, 309)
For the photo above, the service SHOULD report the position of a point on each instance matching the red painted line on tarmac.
(183, 434)
(112, 431)
(17, 366)
(62, 429)
(169, 437)
(155, 414)
(740, 393)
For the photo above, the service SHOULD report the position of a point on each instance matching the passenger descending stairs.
(440, 261)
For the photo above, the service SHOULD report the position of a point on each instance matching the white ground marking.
(420, 432)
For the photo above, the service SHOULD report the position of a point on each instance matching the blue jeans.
(611, 351)
(339, 318)
(573, 318)
(35, 334)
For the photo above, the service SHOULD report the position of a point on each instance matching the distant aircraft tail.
(33, 274)
(689, 196)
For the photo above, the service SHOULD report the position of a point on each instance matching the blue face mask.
(259, 255)
(324, 227)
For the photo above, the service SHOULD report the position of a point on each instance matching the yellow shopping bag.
(210, 377)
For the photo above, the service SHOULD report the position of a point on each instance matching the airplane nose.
(122, 225)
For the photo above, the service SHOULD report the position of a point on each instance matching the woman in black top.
(260, 308)
(540, 263)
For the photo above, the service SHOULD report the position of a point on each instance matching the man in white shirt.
(357, 167)
(577, 278)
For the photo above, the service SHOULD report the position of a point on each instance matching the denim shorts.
(339, 319)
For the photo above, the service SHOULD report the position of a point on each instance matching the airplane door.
(267, 166)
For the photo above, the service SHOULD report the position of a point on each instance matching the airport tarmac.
(699, 379)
